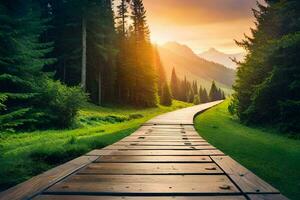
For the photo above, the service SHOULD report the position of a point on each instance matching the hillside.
(187, 63)
(214, 55)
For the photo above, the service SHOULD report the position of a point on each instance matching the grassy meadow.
(24, 155)
(269, 154)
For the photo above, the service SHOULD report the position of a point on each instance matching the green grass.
(23, 155)
(269, 154)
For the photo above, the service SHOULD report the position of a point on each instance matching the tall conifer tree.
(22, 58)
(144, 91)
(175, 85)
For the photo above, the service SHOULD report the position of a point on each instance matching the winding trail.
(165, 159)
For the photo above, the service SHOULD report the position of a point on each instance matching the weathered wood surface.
(79, 197)
(246, 180)
(153, 159)
(165, 159)
(139, 147)
(41, 182)
(156, 152)
(266, 197)
(151, 168)
(144, 184)
(183, 116)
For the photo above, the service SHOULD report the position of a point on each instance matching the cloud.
(193, 12)
(200, 24)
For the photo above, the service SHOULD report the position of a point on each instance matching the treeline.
(53, 52)
(49, 47)
(184, 90)
(29, 97)
(267, 88)
(108, 53)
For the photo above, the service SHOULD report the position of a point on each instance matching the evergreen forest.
(55, 55)
(268, 81)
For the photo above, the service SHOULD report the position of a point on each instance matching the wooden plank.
(169, 131)
(157, 159)
(245, 179)
(165, 135)
(184, 116)
(141, 147)
(266, 197)
(145, 184)
(163, 143)
(157, 152)
(79, 197)
(39, 183)
(158, 140)
(151, 168)
(167, 127)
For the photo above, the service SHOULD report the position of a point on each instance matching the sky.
(200, 24)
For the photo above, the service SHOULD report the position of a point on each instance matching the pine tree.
(144, 92)
(166, 98)
(269, 72)
(122, 16)
(125, 65)
(195, 88)
(22, 57)
(66, 33)
(214, 93)
(196, 100)
(203, 95)
(175, 85)
(191, 96)
(223, 95)
(101, 51)
(184, 90)
(160, 71)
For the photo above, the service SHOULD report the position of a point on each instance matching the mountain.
(222, 58)
(188, 64)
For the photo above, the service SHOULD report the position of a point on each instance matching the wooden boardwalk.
(165, 159)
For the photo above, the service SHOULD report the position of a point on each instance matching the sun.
(158, 39)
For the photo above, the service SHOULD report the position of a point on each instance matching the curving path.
(165, 159)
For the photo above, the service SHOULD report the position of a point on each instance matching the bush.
(135, 116)
(60, 103)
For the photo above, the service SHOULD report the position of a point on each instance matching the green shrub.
(61, 103)
(135, 116)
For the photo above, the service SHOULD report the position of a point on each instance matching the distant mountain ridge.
(187, 63)
(222, 58)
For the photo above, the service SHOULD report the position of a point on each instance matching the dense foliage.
(267, 89)
(136, 75)
(52, 51)
(23, 103)
(77, 43)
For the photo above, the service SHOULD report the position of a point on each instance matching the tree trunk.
(123, 18)
(83, 70)
(99, 88)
